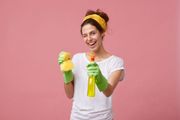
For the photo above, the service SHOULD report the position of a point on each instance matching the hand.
(66, 66)
(63, 56)
(94, 70)
(65, 62)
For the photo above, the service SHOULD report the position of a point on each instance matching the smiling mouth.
(92, 44)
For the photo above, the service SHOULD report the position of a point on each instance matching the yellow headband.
(98, 19)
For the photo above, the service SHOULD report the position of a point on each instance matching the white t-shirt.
(100, 106)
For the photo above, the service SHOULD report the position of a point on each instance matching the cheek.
(84, 40)
(96, 37)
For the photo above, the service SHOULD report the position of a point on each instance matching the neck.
(101, 54)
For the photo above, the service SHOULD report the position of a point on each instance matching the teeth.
(92, 43)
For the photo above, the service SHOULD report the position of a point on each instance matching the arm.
(68, 86)
(66, 67)
(114, 79)
(104, 85)
(69, 89)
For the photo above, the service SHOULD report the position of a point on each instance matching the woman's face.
(92, 37)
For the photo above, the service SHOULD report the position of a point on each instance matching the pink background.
(144, 33)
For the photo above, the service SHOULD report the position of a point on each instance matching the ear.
(103, 34)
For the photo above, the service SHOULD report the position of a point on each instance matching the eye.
(84, 35)
(92, 33)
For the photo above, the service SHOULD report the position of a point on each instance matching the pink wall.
(143, 33)
(178, 55)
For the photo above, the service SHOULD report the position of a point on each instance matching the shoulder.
(77, 56)
(115, 58)
(116, 63)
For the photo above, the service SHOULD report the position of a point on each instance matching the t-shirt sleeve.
(75, 62)
(116, 64)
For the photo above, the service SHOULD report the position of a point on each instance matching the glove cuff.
(68, 76)
(101, 83)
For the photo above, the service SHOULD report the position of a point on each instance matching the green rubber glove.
(94, 70)
(62, 59)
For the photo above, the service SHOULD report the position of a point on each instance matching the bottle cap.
(92, 57)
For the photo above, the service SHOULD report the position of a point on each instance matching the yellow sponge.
(67, 65)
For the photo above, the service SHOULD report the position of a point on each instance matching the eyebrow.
(89, 32)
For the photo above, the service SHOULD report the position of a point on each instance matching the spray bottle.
(91, 80)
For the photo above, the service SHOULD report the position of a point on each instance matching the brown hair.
(93, 22)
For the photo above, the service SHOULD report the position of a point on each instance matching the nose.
(89, 38)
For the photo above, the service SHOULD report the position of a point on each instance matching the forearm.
(69, 89)
(68, 85)
(113, 81)
(108, 92)
(66, 66)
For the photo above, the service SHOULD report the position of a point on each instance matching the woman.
(107, 69)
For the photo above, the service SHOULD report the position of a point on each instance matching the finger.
(93, 68)
(92, 74)
(92, 64)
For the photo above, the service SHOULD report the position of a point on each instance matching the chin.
(93, 49)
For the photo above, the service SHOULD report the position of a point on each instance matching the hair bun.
(100, 13)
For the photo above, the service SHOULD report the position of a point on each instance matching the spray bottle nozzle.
(92, 57)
